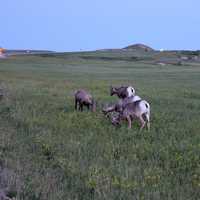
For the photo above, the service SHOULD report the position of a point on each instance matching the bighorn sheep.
(83, 98)
(135, 110)
(122, 92)
(126, 95)
(118, 107)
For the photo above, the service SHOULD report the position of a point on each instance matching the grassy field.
(50, 152)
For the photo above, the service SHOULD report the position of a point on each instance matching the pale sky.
(73, 25)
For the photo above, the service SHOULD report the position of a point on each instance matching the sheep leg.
(146, 118)
(81, 107)
(142, 122)
(129, 121)
(148, 121)
(76, 104)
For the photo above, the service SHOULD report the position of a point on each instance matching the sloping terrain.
(139, 47)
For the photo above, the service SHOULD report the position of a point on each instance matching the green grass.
(52, 152)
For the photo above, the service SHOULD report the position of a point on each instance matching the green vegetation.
(49, 152)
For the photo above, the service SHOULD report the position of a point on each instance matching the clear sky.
(73, 25)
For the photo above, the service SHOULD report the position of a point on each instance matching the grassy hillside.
(48, 151)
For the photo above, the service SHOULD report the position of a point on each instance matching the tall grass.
(49, 151)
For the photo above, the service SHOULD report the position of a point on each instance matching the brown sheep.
(122, 92)
(83, 98)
